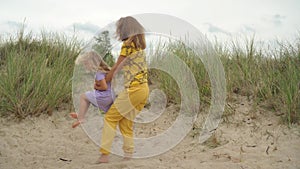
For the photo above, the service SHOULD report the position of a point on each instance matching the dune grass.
(270, 77)
(36, 74)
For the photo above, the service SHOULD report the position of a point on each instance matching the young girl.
(102, 96)
(131, 101)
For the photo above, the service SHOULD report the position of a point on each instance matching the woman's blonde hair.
(97, 63)
(130, 30)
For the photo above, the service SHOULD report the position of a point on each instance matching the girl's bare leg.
(83, 107)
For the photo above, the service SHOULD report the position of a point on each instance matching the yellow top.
(135, 66)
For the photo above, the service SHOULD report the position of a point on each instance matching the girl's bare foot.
(73, 115)
(77, 123)
(127, 156)
(103, 159)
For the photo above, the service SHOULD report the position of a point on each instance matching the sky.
(266, 19)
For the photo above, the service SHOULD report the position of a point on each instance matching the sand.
(247, 138)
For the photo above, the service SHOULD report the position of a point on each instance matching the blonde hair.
(98, 64)
(130, 30)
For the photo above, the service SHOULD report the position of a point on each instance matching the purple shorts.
(99, 100)
(102, 99)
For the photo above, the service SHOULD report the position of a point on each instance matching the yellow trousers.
(127, 105)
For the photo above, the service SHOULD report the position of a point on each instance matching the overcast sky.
(268, 19)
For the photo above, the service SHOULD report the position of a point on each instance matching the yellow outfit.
(135, 67)
(129, 102)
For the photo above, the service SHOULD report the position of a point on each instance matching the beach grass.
(36, 74)
(268, 76)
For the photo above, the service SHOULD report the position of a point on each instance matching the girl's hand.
(117, 66)
(100, 85)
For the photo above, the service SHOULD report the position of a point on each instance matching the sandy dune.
(246, 139)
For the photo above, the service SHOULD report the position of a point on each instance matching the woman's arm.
(117, 66)
(100, 85)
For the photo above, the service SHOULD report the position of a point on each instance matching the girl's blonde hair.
(130, 30)
(95, 60)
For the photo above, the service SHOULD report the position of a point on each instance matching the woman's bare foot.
(73, 115)
(103, 159)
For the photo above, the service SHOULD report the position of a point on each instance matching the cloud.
(248, 28)
(86, 27)
(8, 27)
(13, 24)
(214, 29)
(276, 19)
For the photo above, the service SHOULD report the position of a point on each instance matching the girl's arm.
(100, 85)
(117, 66)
